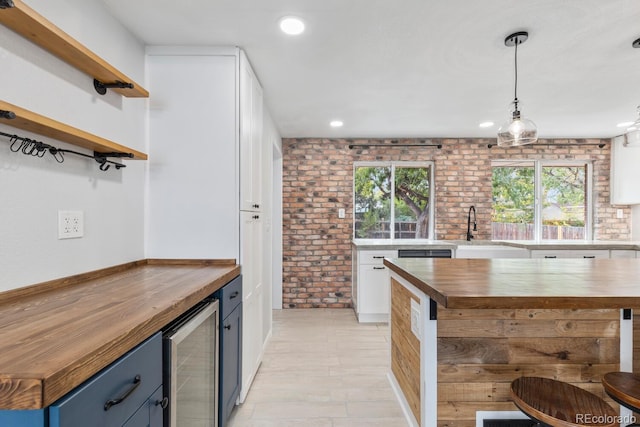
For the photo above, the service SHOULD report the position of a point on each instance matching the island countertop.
(56, 335)
(524, 283)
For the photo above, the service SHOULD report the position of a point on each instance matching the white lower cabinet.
(570, 253)
(371, 288)
(490, 251)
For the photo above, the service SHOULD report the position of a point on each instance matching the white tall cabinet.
(206, 173)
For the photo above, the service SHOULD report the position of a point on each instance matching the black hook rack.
(6, 4)
(31, 147)
(101, 88)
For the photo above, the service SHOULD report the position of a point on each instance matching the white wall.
(32, 190)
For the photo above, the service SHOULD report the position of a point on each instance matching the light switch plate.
(70, 224)
(341, 213)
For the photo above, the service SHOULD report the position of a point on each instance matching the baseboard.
(406, 410)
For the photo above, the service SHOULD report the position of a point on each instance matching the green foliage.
(372, 187)
(563, 193)
(513, 194)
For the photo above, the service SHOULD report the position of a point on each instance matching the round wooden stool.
(624, 388)
(560, 404)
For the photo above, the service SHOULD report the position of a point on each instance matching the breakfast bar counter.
(463, 329)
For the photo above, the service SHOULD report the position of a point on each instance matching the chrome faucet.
(475, 224)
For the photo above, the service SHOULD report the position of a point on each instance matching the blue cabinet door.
(230, 363)
(27, 418)
(112, 396)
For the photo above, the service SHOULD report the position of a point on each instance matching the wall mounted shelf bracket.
(101, 88)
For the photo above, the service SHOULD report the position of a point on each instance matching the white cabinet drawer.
(623, 253)
(375, 257)
(570, 253)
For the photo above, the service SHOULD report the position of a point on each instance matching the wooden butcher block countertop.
(56, 335)
(524, 283)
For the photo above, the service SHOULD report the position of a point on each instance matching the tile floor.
(322, 369)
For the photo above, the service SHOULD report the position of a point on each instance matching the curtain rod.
(352, 146)
(600, 145)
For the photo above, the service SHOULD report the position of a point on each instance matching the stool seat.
(560, 404)
(624, 388)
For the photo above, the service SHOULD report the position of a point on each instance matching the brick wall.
(318, 180)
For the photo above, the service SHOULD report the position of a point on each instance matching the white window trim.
(392, 165)
(538, 164)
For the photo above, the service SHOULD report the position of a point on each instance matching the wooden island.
(463, 329)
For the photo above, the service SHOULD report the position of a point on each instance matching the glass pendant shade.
(632, 134)
(517, 131)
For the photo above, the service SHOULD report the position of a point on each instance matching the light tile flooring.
(322, 369)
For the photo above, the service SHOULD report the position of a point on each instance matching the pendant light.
(518, 130)
(632, 134)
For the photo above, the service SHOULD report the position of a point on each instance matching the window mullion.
(392, 202)
(537, 211)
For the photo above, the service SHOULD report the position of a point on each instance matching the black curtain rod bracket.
(4, 114)
(101, 88)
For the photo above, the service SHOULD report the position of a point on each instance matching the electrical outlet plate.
(415, 318)
(70, 224)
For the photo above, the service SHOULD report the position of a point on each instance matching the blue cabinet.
(230, 300)
(126, 393)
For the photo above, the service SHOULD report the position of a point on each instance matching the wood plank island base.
(463, 329)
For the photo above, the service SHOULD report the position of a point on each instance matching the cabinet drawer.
(230, 295)
(87, 405)
(375, 257)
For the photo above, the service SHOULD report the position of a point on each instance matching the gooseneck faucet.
(475, 224)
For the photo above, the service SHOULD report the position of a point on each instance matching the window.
(393, 200)
(541, 200)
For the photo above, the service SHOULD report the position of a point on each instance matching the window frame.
(538, 164)
(394, 165)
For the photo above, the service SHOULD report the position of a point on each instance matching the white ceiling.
(420, 68)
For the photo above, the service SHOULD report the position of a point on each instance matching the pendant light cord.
(515, 90)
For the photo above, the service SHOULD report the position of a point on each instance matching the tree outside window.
(393, 199)
(559, 212)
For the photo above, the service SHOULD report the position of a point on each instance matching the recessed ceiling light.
(624, 124)
(336, 123)
(292, 25)
(486, 124)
